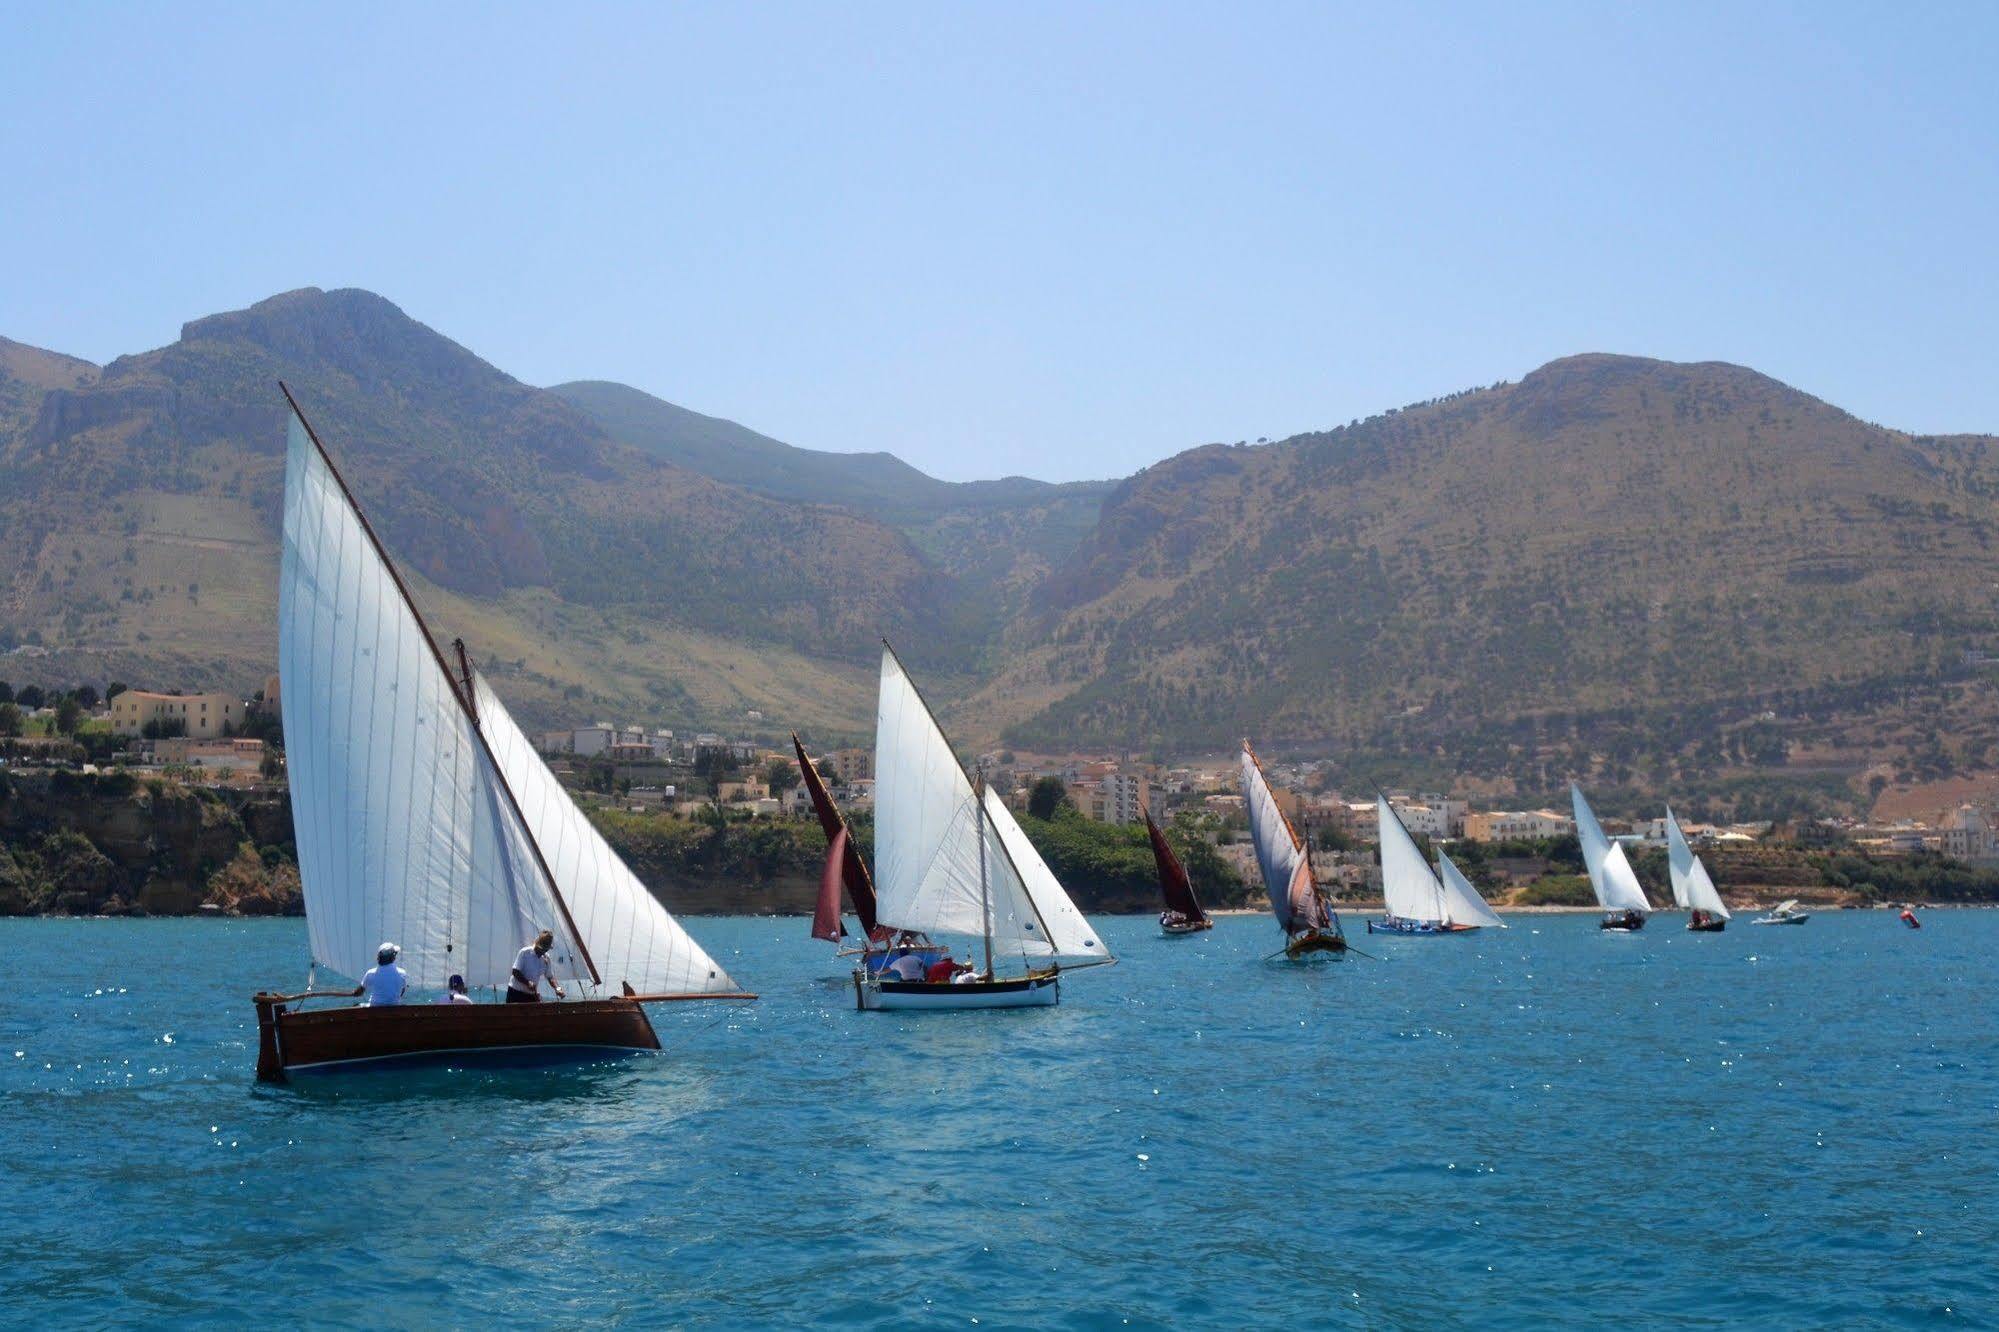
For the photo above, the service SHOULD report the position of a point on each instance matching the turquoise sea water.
(1541, 1127)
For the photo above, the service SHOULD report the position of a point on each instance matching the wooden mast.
(985, 896)
(461, 692)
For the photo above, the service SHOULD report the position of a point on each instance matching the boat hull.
(1787, 920)
(1418, 927)
(290, 1041)
(1627, 922)
(1315, 947)
(874, 995)
(1180, 928)
(1707, 927)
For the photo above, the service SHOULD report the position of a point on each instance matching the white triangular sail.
(1610, 872)
(1702, 895)
(1071, 939)
(1287, 873)
(1411, 890)
(404, 831)
(1462, 903)
(632, 938)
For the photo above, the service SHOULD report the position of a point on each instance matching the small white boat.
(1693, 890)
(950, 860)
(1422, 901)
(1610, 873)
(1786, 912)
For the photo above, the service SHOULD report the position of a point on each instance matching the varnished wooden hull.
(1315, 946)
(291, 1041)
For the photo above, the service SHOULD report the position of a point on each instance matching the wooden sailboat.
(1693, 891)
(845, 868)
(951, 860)
(1422, 901)
(1183, 914)
(423, 814)
(1610, 873)
(1304, 912)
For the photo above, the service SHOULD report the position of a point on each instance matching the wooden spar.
(462, 694)
(985, 894)
(1025, 890)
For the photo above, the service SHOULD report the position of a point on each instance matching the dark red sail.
(826, 923)
(854, 871)
(1173, 882)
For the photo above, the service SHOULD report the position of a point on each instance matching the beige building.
(1114, 798)
(233, 753)
(850, 765)
(1968, 835)
(1501, 825)
(202, 715)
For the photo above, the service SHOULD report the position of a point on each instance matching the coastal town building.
(1505, 825)
(1114, 797)
(1968, 834)
(199, 716)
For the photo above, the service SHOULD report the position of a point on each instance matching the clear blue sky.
(1060, 240)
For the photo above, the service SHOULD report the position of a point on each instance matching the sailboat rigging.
(1183, 914)
(1311, 926)
(845, 867)
(1610, 872)
(1693, 891)
(1420, 900)
(422, 812)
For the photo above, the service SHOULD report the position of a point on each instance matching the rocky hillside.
(1608, 535)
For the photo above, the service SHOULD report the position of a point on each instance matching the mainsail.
(1411, 890)
(1610, 872)
(948, 861)
(634, 940)
(1462, 903)
(1693, 890)
(1280, 855)
(1174, 885)
(404, 830)
(853, 870)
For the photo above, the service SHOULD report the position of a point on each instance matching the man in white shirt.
(384, 983)
(531, 968)
(454, 992)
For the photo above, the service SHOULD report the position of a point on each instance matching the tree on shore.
(1045, 797)
(10, 719)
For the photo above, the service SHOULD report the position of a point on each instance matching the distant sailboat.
(951, 860)
(845, 868)
(1610, 872)
(1421, 900)
(423, 815)
(1311, 926)
(1693, 891)
(1786, 912)
(1183, 914)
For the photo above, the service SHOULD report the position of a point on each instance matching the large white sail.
(929, 836)
(1589, 833)
(404, 831)
(632, 938)
(1287, 875)
(1702, 895)
(1412, 891)
(1618, 890)
(1462, 903)
(1071, 939)
(1679, 861)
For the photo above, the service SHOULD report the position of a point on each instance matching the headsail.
(634, 939)
(1411, 890)
(1174, 885)
(404, 829)
(853, 870)
(1287, 872)
(1702, 895)
(1462, 903)
(1071, 939)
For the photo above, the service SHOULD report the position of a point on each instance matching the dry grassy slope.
(138, 523)
(1609, 531)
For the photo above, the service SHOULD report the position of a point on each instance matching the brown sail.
(826, 922)
(853, 870)
(1174, 885)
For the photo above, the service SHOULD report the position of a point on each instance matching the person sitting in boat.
(384, 983)
(908, 967)
(966, 974)
(454, 992)
(531, 968)
(941, 970)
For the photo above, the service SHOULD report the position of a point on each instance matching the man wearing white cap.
(385, 982)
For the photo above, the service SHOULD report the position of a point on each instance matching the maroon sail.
(853, 870)
(826, 923)
(1173, 882)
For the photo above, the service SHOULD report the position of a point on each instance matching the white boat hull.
(872, 994)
